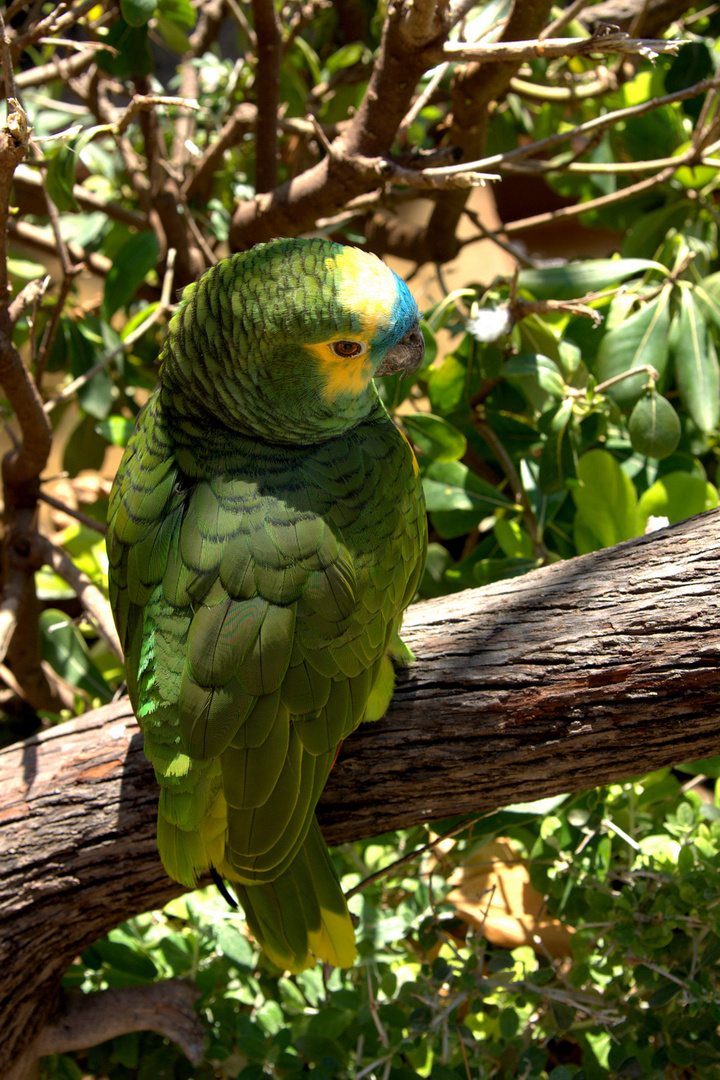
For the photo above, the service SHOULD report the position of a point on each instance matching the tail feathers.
(302, 917)
(187, 853)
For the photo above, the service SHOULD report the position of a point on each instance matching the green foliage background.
(542, 433)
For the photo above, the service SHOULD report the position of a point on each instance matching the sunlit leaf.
(641, 340)
(605, 499)
(137, 12)
(434, 436)
(696, 364)
(677, 496)
(116, 429)
(577, 279)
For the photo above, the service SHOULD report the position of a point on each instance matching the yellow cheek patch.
(341, 376)
(365, 286)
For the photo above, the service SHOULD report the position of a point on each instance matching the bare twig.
(84, 519)
(551, 48)
(568, 212)
(145, 102)
(27, 297)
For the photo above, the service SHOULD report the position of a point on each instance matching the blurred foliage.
(562, 411)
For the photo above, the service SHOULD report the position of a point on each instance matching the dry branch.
(577, 674)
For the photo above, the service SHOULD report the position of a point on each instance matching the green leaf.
(457, 498)
(25, 269)
(452, 385)
(137, 12)
(132, 262)
(175, 38)
(180, 11)
(696, 364)
(435, 437)
(558, 458)
(677, 496)
(654, 426)
(576, 279)
(642, 339)
(345, 57)
(96, 395)
(85, 449)
(63, 647)
(605, 500)
(234, 945)
(513, 539)
(116, 429)
(60, 178)
(541, 369)
(131, 55)
(453, 486)
(707, 295)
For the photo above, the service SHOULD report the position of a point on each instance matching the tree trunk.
(580, 673)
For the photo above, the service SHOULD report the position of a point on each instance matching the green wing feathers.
(257, 615)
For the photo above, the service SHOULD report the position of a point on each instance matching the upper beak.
(406, 356)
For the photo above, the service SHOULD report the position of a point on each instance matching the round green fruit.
(654, 426)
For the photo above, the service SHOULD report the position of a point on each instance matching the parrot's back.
(258, 588)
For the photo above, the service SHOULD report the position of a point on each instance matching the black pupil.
(347, 348)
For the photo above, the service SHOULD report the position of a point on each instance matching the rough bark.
(580, 673)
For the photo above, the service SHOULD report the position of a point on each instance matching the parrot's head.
(283, 341)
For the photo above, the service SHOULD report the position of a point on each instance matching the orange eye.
(348, 349)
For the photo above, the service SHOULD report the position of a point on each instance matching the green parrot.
(266, 531)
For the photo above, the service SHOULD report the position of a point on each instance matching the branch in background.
(474, 86)
(565, 94)
(57, 69)
(144, 103)
(268, 32)
(45, 553)
(84, 1020)
(168, 215)
(43, 240)
(84, 519)
(24, 463)
(54, 25)
(569, 212)
(325, 188)
(550, 49)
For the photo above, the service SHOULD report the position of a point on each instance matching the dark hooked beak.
(406, 356)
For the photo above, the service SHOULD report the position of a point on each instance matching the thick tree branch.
(268, 31)
(411, 43)
(577, 674)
